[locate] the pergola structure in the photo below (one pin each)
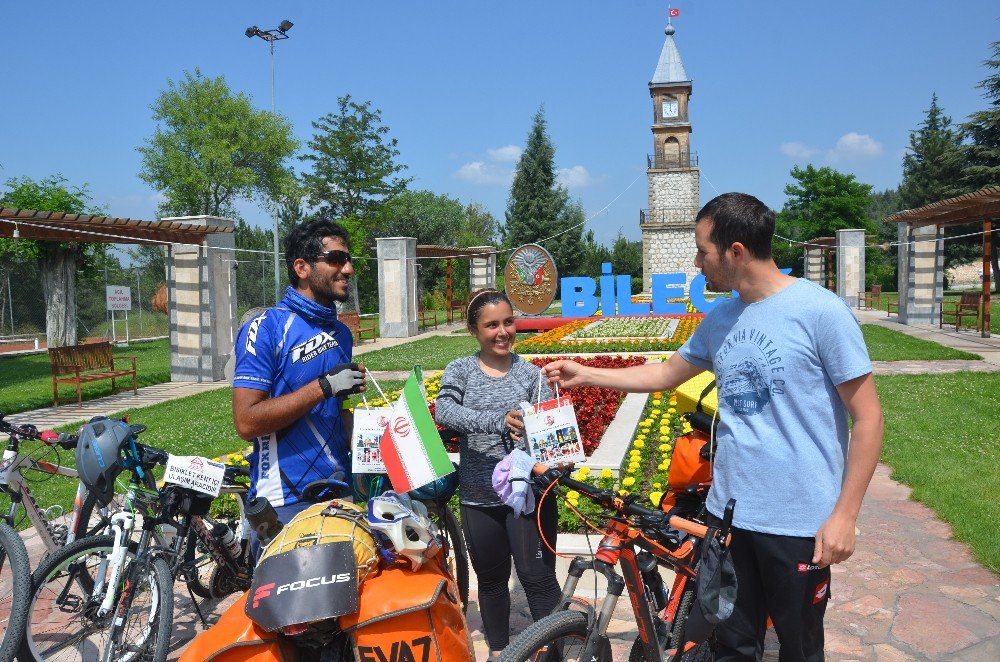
(449, 253)
(60, 226)
(926, 225)
(200, 302)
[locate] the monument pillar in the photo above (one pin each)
(483, 270)
(921, 274)
(850, 265)
(814, 269)
(201, 303)
(397, 286)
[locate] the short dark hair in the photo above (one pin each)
(740, 217)
(306, 241)
(480, 298)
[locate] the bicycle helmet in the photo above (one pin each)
(406, 526)
(441, 490)
(98, 455)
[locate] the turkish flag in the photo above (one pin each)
(674, 13)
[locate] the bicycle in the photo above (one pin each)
(679, 634)
(15, 568)
(111, 594)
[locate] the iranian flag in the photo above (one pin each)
(411, 446)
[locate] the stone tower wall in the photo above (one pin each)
(668, 233)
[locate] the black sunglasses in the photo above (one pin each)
(335, 258)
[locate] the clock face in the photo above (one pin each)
(670, 108)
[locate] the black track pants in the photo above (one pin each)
(495, 535)
(776, 579)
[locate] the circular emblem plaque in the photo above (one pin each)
(530, 279)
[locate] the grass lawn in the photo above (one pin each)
(430, 353)
(955, 295)
(888, 345)
(26, 380)
(941, 440)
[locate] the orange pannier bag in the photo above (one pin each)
(687, 467)
(409, 615)
(235, 638)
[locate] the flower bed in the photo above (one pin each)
(557, 342)
(644, 472)
(624, 327)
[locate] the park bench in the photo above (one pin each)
(871, 299)
(456, 309)
(966, 307)
(426, 317)
(358, 326)
(78, 364)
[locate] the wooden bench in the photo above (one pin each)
(359, 326)
(426, 317)
(871, 299)
(891, 304)
(456, 310)
(92, 362)
(966, 307)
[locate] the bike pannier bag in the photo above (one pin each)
(235, 638)
(407, 615)
(688, 466)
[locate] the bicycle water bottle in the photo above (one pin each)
(227, 538)
(262, 518)
(652, 579)
(8, 461)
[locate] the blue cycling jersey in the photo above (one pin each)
(279, 352)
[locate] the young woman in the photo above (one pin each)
(480, 398)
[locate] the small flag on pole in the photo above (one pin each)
(674, 13)
(411, 447)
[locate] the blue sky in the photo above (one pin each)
(775, 84)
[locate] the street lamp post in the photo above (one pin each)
(271, 36)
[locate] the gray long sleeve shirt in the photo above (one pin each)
(474, 404)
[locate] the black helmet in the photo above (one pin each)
(98, 455)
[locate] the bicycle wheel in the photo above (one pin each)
(459, 554)
(700, 652)
(15, 590)
(63, 620)
(557, 637)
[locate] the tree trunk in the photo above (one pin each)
(58, 271)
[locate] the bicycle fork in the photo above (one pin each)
(121, 527)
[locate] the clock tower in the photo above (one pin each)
(672, 171)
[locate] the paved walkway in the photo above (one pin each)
(910, 592)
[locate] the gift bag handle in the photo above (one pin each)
(541, 376)
(377, 388)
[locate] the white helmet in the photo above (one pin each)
(405, 524)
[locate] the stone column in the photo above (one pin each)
(397, 286)
(923, 270)
(201, 302)
(850, 265)
(483, 270)
(815, 266)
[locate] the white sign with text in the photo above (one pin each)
(119, 297)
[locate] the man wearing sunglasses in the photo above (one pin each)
(293, 371)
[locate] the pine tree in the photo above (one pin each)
(933, 167)
(983, 154)
(539, 208)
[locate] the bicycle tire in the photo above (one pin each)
(460, 554)
(201, 583)
(558, 637)
(701, 652)
(44, 627)
(15, 586)
(162, 610)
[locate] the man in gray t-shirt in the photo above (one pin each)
(791, 367)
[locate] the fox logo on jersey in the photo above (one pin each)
(252, 334)
(313, 347)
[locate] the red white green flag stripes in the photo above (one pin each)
(411, 446)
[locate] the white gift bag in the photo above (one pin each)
(369, 426)
(551, 431)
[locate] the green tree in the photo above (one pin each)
(354, 168)
(983, 151)
(594, 255)
(481, 228)
(820, 202)
(934, 163)
(539, 210)
(211, 148)
(58, 262)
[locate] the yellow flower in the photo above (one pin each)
(579, 475)
(639, 443)
(657, 486)
(671, 410)
(687, 428)
(573, 502)
(623, 492)
(631, 469)
(606, 473)
(664, 448)
(584, 471)
(656, 402)
(634, 452)
(572, 495)
(655, 412)
(655, 497)
(628, 482)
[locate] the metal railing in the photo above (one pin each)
(678, 217)
(664, 161)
